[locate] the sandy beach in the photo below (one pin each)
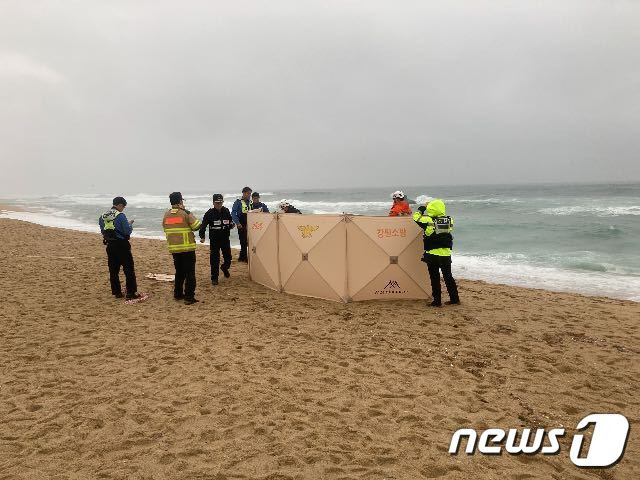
(252, 384)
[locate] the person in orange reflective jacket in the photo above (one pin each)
(179, 225)
(400, 207)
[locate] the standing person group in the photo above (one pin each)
(179, 225)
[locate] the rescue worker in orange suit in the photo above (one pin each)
(400, 207)
(220, 223)
(116, 231)
(438, 242)
(179, 225)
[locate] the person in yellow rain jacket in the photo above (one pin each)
(438, 242)
(179, 225)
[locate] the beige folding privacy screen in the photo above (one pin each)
(337, 257)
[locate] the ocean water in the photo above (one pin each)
(575, 238)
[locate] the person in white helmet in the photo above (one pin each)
(286, 207)
(400, 207)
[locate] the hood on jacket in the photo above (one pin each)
(436, 208)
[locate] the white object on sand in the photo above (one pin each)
(162, 277)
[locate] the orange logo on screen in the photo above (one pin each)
(256, 226)
(391, 232)
(307, 230)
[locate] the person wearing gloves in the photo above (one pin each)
(438, 242)
(286, 207)
(400, 207)
(220, 223)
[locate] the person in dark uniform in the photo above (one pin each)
(256, 204)
(220, 223)
(116, 231)
(239, 214)
(438, 243)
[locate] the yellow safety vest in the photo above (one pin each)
(178, 226)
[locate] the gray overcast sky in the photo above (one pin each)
(157, 95)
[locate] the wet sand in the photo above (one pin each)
(252, 384)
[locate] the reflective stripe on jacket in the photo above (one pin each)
(239, 211)
(436, 242)
(108, 222)
(178, 225)
(114, 225)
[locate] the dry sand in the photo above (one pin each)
(255, 384)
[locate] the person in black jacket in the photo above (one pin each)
(220, 223)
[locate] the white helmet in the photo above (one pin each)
(283, 204)
(398, 194)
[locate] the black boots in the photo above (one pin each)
(438, 303)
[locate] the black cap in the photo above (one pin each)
(119, 201)
(175, 198)
(217, 197)
(255, 194)
(246, 189)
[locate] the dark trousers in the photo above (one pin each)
(119, 255)
(185, 282)
(242, 233)
(434, 275)
(217, 245)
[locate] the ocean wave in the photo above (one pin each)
(325, 207)
(143, 200)
(51, 220)
(592, 266)
(605, 231)
(593, 210)
(492, 269)
(485, 201)
(422, 199)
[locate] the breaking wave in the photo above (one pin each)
(593, 210)
(590, 281)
